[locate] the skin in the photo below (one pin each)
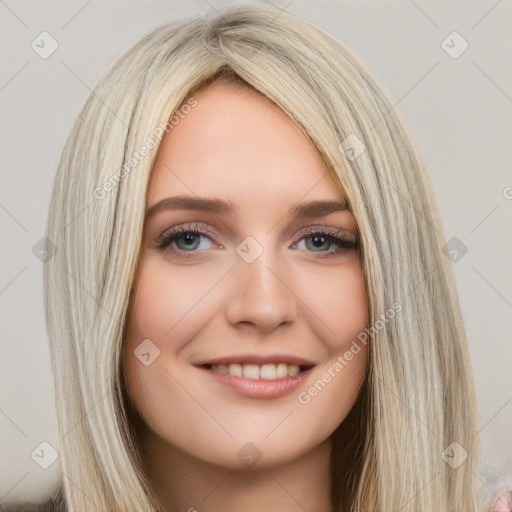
(237, 146)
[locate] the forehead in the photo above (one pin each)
(238, 145)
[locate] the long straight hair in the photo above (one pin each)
(418, 397)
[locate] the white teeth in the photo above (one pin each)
(268, 372)
(234, 369)
(254, 371)
(251, 371)
(282, 370)
(293, 369)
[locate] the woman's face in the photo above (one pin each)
(263, 291)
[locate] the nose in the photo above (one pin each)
(262, 295)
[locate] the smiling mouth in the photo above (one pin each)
(268, 371)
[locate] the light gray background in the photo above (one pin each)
(458, 111)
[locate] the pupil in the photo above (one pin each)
(188, 239)
(318, 241)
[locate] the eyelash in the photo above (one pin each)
(169, 236)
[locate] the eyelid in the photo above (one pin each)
(212, 233)
(343, 238)
(204, 229)
(332, 230)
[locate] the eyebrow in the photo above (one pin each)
(221, 207)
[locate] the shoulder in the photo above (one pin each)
(48, 506)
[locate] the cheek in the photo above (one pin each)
(336, 306)
(337, 309)
(343, 309)
(166, 311)
(154, 319)
(169, 305)
(154, 311)
(155, 305)
(352, 311)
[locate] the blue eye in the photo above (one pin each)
(319, 239)
(185, 237)
(190, 239)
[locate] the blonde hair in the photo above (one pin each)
(418, 398)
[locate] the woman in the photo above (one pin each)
(247, 371)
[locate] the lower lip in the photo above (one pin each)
(259, 388)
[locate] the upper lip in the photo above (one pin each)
(258, 359)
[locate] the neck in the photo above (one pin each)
(184, 483)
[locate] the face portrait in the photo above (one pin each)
(262, 235)
(243, 305)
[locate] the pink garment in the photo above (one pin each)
(502, 503)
